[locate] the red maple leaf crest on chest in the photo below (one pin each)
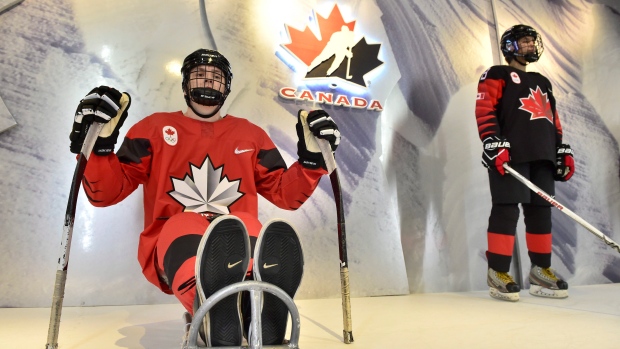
(169, 132)
(537, 104)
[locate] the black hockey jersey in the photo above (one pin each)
(519, 106)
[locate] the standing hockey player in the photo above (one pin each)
(201, 174)
(518, 123)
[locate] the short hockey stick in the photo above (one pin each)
(67, 232)
(562, 208)
(332, 169)
(349, 68)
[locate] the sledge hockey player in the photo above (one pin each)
(518, 123)
(201, 174)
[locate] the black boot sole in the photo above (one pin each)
(278, 261)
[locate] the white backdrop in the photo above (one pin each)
(416, 196)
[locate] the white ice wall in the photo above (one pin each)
(416, 196)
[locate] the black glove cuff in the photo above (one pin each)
(104, 146)
(103, 151)
(311, 160)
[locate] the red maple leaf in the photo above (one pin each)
(306, 46)
(537, 104)
(169, 132)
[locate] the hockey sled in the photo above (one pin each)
(256, 289)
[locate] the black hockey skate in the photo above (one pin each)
(278, 259)
(502, 286)
(544, 283)
(222, 259)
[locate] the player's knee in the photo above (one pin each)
(537, 219)
(503, 218)
(178, 253)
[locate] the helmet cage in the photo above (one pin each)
(202, 82)
(510, 43)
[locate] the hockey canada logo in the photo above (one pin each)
(206, 190)
(335, 54)
(537, 104)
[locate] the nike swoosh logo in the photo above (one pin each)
(267, 266)
(232, 265)
(237, 151)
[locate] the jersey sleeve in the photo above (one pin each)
(287, 188)
(111, 178)
(490, 90)
(556, 116)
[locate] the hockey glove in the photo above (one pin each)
(565, 164)
(496, 152)
(105, 105)
(317, 124)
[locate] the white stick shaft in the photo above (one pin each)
(562, 208)
(67, 233)
(328, 155)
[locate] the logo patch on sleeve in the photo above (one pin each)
(170, 135)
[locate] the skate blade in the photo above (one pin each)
(510, 297)
(540, 291)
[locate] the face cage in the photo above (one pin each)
(532, 57)
(207, 85)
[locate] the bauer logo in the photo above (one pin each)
(331, 52)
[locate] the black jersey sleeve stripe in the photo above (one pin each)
(133, 150)
(271, 159)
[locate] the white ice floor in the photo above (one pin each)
(589, 318)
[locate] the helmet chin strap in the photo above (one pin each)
(525, 61)
(204, 116)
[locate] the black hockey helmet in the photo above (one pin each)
(203, 93)
(510, 47)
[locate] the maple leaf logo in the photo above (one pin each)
(337, 52)
(169, 132)
(206, 190)
(537, 104)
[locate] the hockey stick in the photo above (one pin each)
(348, 68)
(67, 232)
(332, 169)
(562, 208)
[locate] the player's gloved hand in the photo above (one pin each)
(105, 105)
(496, 152)
(319, 124)
(564, 163)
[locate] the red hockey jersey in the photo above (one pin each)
(520, 106)
(191, 165)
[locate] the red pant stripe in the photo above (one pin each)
(500, 243)
(184, 284)
(538, 243)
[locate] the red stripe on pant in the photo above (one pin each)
(190, 223)
(501, 244)
(538, 243)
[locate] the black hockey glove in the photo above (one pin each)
(317, 124)
(565, 164)
(102, 104)
(496, 152)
